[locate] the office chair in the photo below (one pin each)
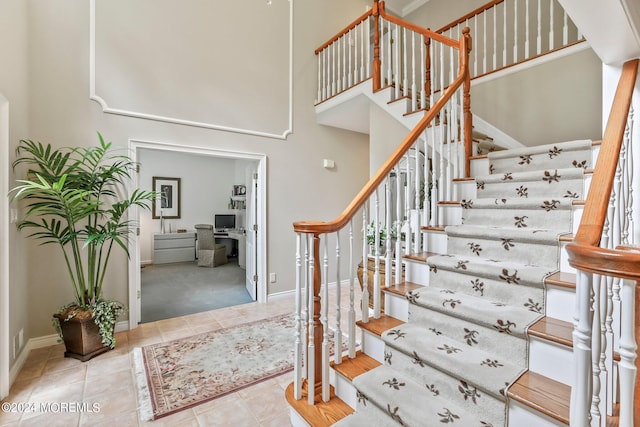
(210, 254)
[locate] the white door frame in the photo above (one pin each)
(5, 335)
(134, 246)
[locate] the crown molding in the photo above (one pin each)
(180, 121)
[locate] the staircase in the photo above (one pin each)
(478, 324)
(465, 340)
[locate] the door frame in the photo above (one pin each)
(5, 334)
(134, 246)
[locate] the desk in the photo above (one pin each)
(233, 239)
(174, 247)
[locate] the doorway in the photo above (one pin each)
(196, 207)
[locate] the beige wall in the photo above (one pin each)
(14, 87)
(552, 102)
(298, 188)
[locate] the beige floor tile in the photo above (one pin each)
(264, 404)
(124, 419)
(118, 403)
(52, 419)
(280, 420)
(108, 382)
(186, 418)
(53, 378)
(234, 413)
(106, 364)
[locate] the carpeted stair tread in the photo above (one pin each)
(531, 176)
(525, 213)
(550, 183)
(407, 403)
(458, 359)
(535, 236)
(566, 154)
(504, 318)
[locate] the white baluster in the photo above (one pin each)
(366, 40)
(626, 366)
(356, 64)
(365, 269)
(602, 351)
(311, 361)
(552, 25)
(434, 180)
(611, 342)
(345, 69)
(323, 80)
(388, 225)
(297, 374)
(352, 308)
(337, 336)
(495, 39)
(484, 49)
(376, 269)
(397, 71)
(581, 391)
(595, 353)
(414, 93)
(527, 25)
(319, 95)
(333, 69)
(339, 65)
(389, 54)
(504, 34)
(539, 37)
(399, 217)
(475, 51)
(405, 70)
(515, 31)
(304, 302)
(565, 29)
(407, 205)
(627, 180)
(325, 321)
(425, 187)
(417, 241)
(350, 56)
(629, 229)
(383, 50)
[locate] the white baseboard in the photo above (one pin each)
(45, 341)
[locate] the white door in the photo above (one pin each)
(252, 233)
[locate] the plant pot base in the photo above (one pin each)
(81, 337)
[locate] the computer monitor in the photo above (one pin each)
(225, 221)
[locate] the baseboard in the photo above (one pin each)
(45, 341)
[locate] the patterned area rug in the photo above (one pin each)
(466, 339)
(182, 373)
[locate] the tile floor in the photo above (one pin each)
(108, 380)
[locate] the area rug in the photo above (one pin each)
(179, 374)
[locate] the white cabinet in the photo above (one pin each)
(174, 247)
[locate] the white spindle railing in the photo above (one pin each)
(505, 31)
(605, 317)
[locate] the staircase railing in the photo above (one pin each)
(397, 191)
(508, 32)
(607, 305)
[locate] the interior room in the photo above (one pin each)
(204, 191)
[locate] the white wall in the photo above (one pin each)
(206, 183)
(299, 188)
(385, 135)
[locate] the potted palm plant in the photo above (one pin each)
(74, 199)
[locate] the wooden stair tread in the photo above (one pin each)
(320, 414)
(403, 288)
(480, 156)
(554, 330)
(464, 179)
(378, 326)
(431, 228)
(542, 394)
(563, 279)
(351, 368)
(449, 202)
(420, 256)
(567, 237)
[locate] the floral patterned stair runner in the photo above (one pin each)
(465, 341)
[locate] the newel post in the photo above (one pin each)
(376, 45)
(468, 117)
(318, 331)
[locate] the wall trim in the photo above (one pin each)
(141, 115)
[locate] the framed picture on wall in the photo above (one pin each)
(168, 205)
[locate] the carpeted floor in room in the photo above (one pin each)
(179, 289)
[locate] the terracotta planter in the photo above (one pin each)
(371, 268)
(81, 337)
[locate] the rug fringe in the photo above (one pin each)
(144, 398)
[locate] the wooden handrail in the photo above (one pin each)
(349, 27)
(469, 15)
(319, 227)
(425, 32)
(595, 211)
